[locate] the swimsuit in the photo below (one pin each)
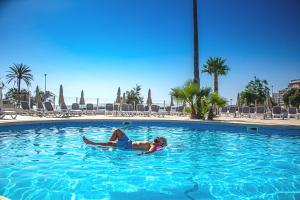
(124, 143)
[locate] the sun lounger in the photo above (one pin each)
(154, 110)
(25, 109)
(162, 111)
(180, 110)
(64, 109)
(116, 109)
(124, 109)
(252, 111)
(49, 110)
(109, 108)
(292, 112)
(90, 109)
(131, 110)
(232, 111)
(147, 111)
(277, 112)
(245, 111)
(12, 113)
(261, 111)
(140, 109)
(224, 111)
(75, 110)
(168, 110)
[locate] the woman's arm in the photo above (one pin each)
(151, 150)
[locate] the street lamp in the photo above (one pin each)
(1, 101)
(272, 89)
(45, 82)
(231, 102)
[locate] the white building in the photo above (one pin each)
(294, 84)
(278, 96)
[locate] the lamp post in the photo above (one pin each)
(1, 101)
(231, 102)
(45, 82)
(272, 88)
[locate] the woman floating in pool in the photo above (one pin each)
(124, 143)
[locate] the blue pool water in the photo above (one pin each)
(202, 161)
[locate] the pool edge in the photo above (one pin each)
(234, 123)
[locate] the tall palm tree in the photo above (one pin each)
(216, 67)
(196, 54)
(19, 72)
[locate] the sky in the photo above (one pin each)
(99, 45)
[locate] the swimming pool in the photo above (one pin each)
(202, 161)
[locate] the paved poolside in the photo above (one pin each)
(273, 122)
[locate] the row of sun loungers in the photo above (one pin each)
(260, 111)
(46, 109)
(141, 110)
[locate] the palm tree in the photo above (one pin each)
(196, 54)
(19, 72)
(187, 94)
(217, 67)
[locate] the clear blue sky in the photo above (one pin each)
(98, 45)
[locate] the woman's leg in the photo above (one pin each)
(117, 134)
(110, 143)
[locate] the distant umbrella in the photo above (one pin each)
(149, 99)
(269, 101)
(118, 100)
(61, 100)
(81, 101)
(38, 98)
(172, 103)
(238, 100)
(124, 98)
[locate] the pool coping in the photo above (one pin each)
(192, 121)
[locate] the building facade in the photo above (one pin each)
(294, 84)
(278, 96)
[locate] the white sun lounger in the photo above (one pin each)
(245, 111)
(90, 109)
(292, 112)
(261, 111)
(109, 108)
(25, 109)
(140, 109)
(49, 110)
(12, 113)
(224, 111)
(277, 112)
(124, 109)
(232, 111)
(75, 110)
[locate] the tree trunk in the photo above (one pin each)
(196, 55)
(196, 50)
(216, 83)
(193, 112)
